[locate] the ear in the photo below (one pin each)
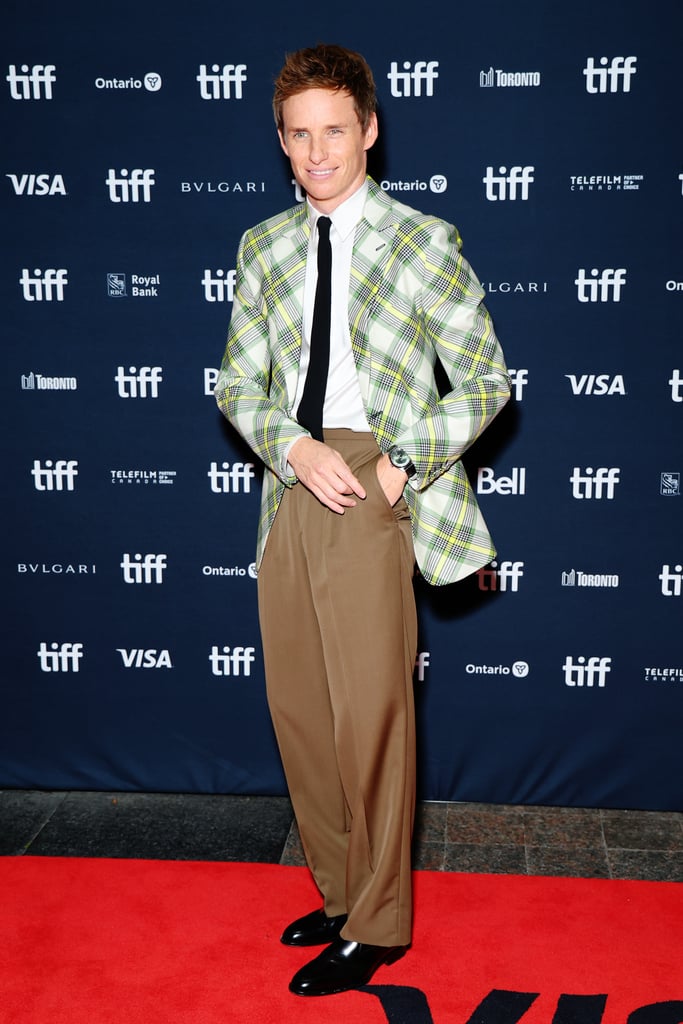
(282, 142)
(371, 132)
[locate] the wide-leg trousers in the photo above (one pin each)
(339, 631)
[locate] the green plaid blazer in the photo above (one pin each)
(413, 299)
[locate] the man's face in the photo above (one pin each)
(326, 145)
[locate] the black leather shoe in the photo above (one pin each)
(315, 929)
(342, 966)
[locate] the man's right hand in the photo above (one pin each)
(323, 471)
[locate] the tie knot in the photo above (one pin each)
(324, 224)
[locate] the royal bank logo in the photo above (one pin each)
(144, 477)
(670, 485)
(671, 579)
(499, 79)
(152, 82)
(508, 184)
(594, 484)
(143, 569)
(489, 483)
(130, 186)
(605, 182)
(500, 578)
(33, 184)
(587, 672)
(57, 475)
(221, 82)
(219, 285)
(596, 384)
(438, 183)
(148, 657)
(600, 285)
(232, 661)
(31, 82)
(519, 380)
(676, 384)
(609, 75)
(138, 382)
(142, 286)
(230, 478)
(60, 657)
(578, 578)
(41, 382)
(413, 79)
(44, 285)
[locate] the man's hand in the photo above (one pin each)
(323, 471)
(392, 480)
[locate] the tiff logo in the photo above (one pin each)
(220, 288)
(599, 483)
(409, 83)
(672, 580)
(586, 673)
(60, 657)
(45, 285)
(58, 476)
(134, 384)
(232, 662)
(676, 382)
(497, 577)
(143, 569)
(421, 665)
(31, 83)
(620, 69)
(504, 185)
(131, 187)
(602, 286)
(519, 380)
(217, 84)
(231, 479)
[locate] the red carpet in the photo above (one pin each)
(162, 942)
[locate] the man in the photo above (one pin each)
(336, 393)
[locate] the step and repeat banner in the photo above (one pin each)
(138, 146)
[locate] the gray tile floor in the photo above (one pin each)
(467, 837)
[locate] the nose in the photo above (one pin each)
(318, 150)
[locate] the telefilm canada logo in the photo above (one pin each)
(143, 477)
(605, 182)
(672, 674)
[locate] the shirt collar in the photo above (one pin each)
(346, 216)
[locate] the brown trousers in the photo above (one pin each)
(339, 631)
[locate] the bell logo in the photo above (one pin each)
(599, 483)
(612, 73)
(672, 580)
(234, 661)
(231, 479)
(44, 285)
(586, 672)
(497, 577)
(409, 83)
(513, 484)
(601, 286)
(217, 84)
(505, 184)
(55, 476)
(210, 379)
(143, 569)
(31, 83)
(59, 657)
(133, 187)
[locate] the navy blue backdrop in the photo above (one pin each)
(139, 144)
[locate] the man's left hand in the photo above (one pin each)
(391, 479)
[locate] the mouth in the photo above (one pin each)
(319, 175)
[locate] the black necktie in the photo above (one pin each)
(310, 411)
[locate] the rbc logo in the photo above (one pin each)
(602, 286)
(232, 662)
(131, 187)
(672, 580)
(231, 479)
(217, 84)
(504, 185)
(620, 69)
(402, 82)
(586, 672)
(45, 285)
(497, 576)
(599, 483)
(60, 657)
(143, 569)
(220, 288)
(58, 476)
(31, 83)
(134, 384)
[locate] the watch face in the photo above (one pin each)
(399, 458)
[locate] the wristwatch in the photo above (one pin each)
(399, 457)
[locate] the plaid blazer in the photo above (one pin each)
(413, 298)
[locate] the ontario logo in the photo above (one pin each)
(438, 183)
